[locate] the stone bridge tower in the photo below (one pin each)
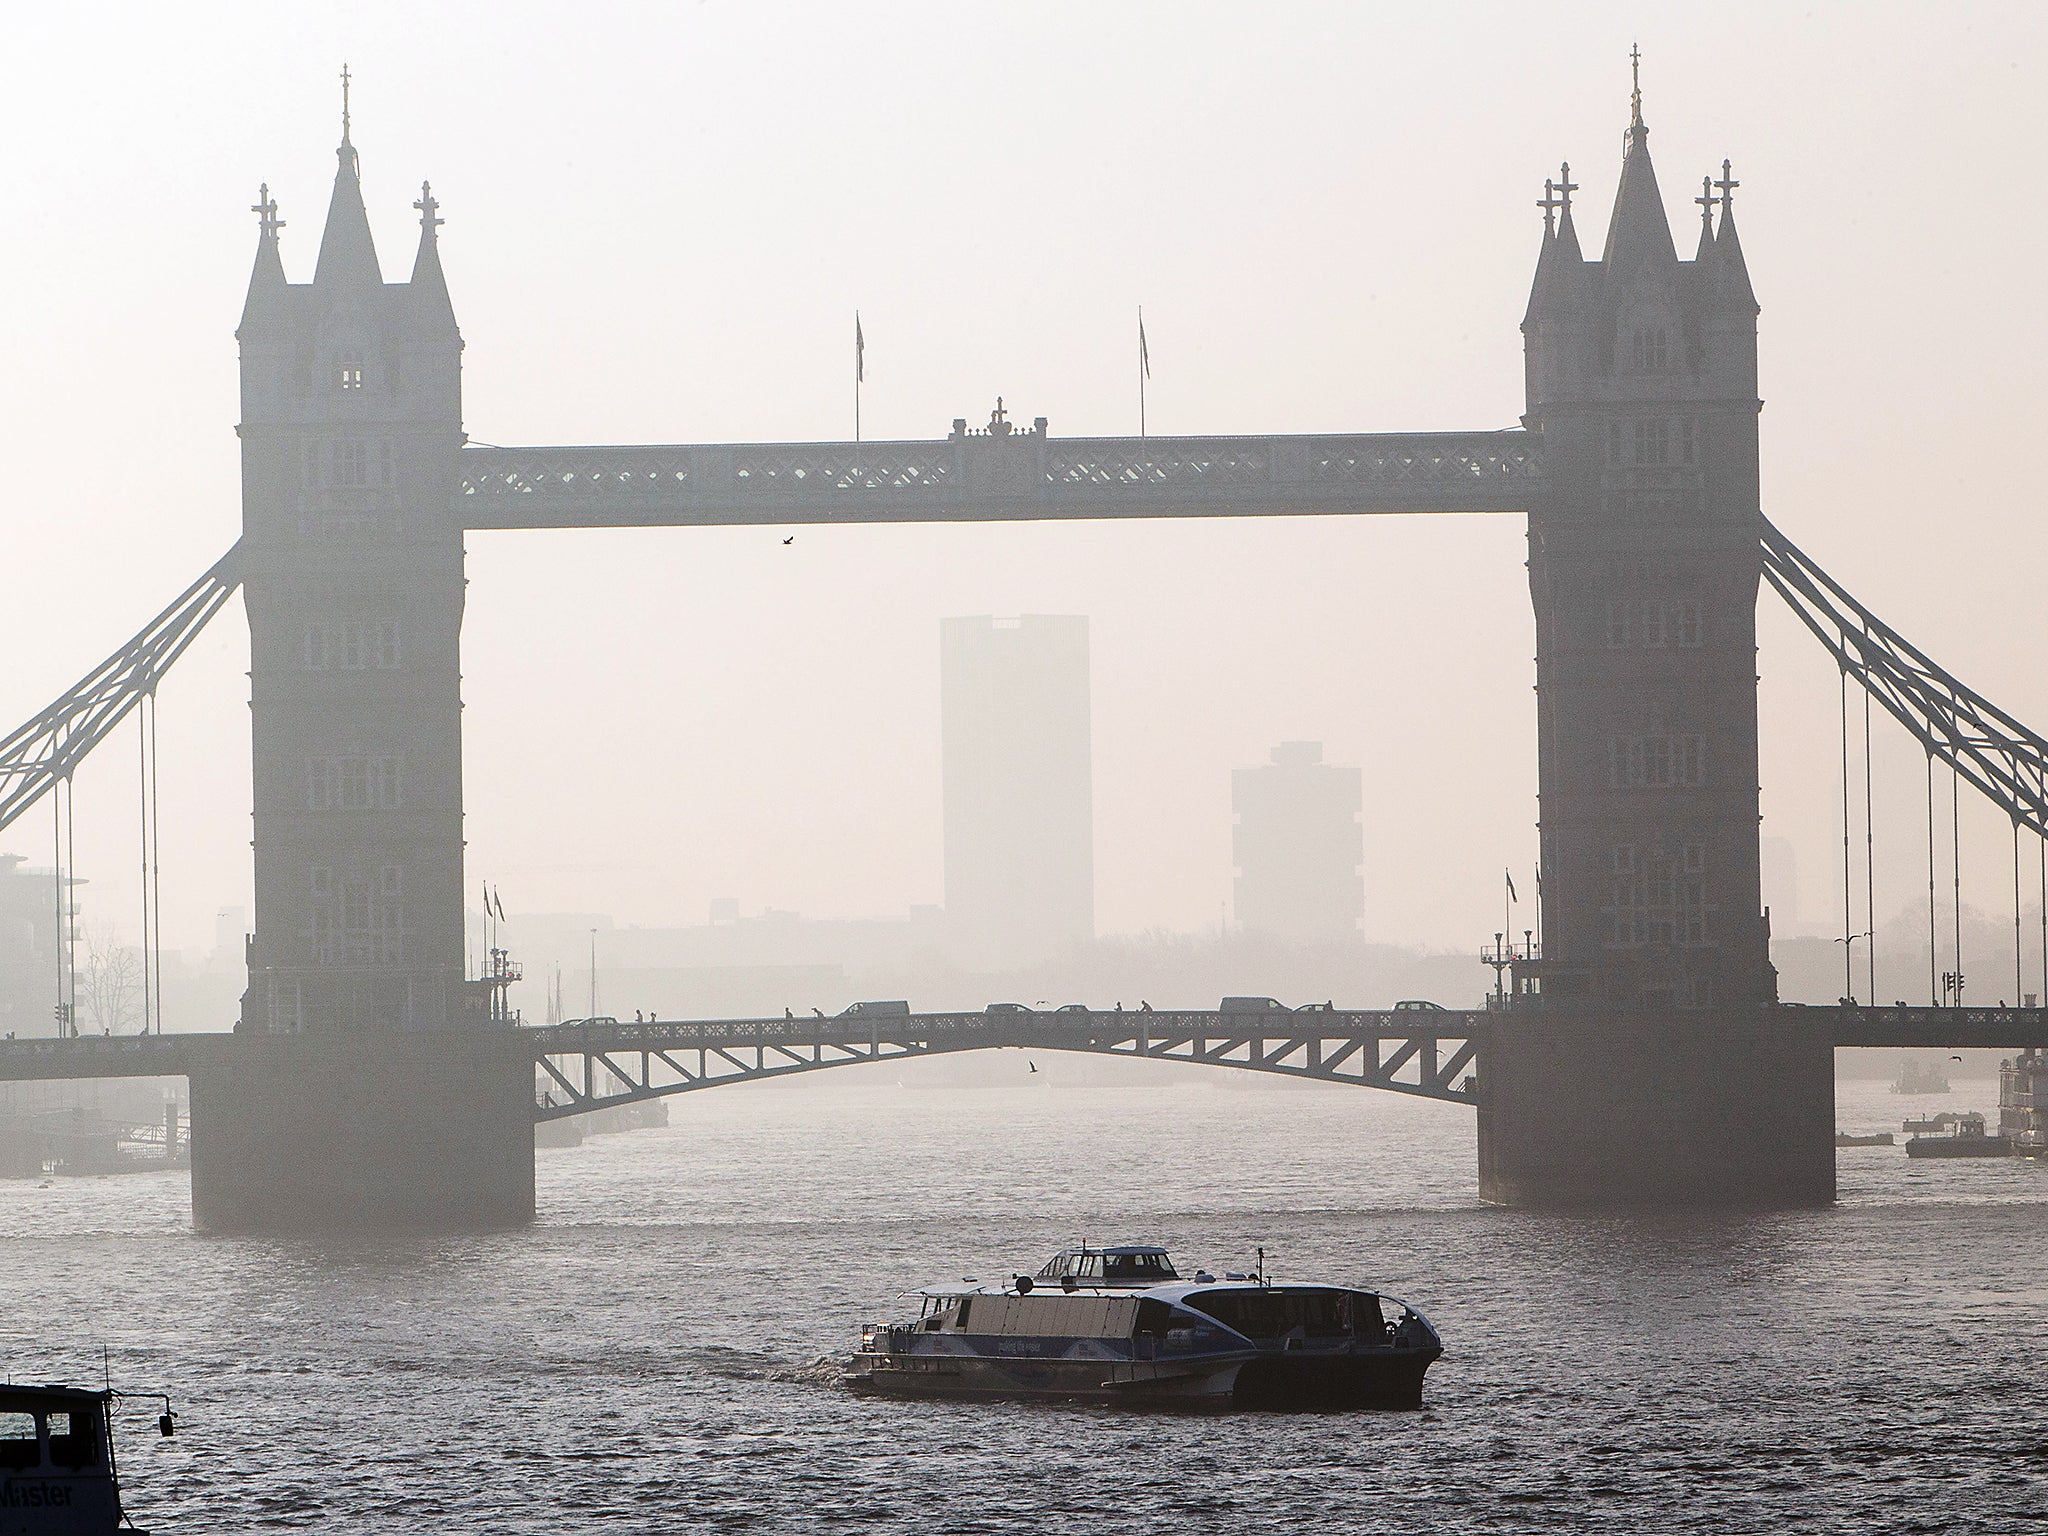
(372, 1088)
(1656, 1071)
(351, 423)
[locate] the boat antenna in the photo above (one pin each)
(1262, 1266)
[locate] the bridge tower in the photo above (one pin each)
(1652, 1070)
(371, 1050)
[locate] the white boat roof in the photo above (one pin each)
(1169, 1291)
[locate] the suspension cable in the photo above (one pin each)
(142, 822)
(156, 885)
(70, 927)
(1933, 958)
(2016, 964)
(1955, 807)
(1869, 858)
(1848, 915)
(57, 931)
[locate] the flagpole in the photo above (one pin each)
(1144, 368)
(859, 371)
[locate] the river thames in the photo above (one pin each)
(660, 1351)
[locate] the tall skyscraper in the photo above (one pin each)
(1298, 846)
(1019, 798)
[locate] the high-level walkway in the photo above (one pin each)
(996, 474)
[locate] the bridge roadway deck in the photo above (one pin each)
(1155, 1034)
(982, 476)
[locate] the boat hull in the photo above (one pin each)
(1262, 1379)
(1960, 1146)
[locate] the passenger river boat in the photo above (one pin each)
(1119, 1325)
(57, 1473)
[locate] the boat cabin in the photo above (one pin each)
(1129, 1264)
(56, 1461)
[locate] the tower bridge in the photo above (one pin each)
(1645, 1057)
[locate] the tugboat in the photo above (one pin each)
(1966, 1138)
(1119, 1325)
(57, 1474)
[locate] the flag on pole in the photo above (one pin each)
(499, 902)
(1144, 352)
(860, 351)
(1511, 886)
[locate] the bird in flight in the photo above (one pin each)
(1032, 1065)
(790, 540)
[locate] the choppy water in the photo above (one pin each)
(643, 1359)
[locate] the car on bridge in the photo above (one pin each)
(1252, 1005)
(1418, 1005)
(893, 1009)
(1009, 1008)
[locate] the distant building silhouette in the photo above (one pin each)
(1298, 846)
(29, 940)
(1019, 799)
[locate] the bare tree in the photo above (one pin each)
(110, 984)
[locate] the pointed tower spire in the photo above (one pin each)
(1567, 232)
(266, 279)
(1704, 255)
(348, 256)
(1734, 267)
(429, 287)
(1638, 230)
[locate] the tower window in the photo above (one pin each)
(1620, 624)
(351, 375)
(1650, 349)
(1653, 626)
(351, 463)
(1653, 441)
(1656, 762)
(1688, 632)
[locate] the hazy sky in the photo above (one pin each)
(660, 221)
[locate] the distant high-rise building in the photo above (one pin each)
(1298, 846)
(1019, 799)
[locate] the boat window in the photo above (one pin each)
(1090, 1267)
(966, 1302)
(1272, 1314)
(1050, 1270)
(1155, 1319)
(1151, 1267)
(72, 1440)
(18, 1440)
